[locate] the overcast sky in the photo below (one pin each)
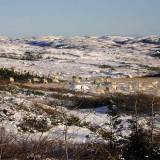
(79, 17)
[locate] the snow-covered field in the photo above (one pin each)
(81, 68)
(113, 56)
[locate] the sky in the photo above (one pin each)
(21, 18)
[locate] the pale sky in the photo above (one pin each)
(20, 18)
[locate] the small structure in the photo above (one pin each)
(108, 80)
(130, 88)
(11, 79)
(29, 81)
(86, 79)
(97, 81)
(129, 76)
(13, 69)
(36, 80)
(55, 79)
(113, 87)
(76, 79)
(84, 88)
(77, 85)
(59, 73)
(80, 88)
(155, 84)
(100, 91)
(45, 81)
(107, 89)
(141, 87)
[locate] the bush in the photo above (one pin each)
(140, 148)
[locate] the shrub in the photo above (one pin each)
(140, 148)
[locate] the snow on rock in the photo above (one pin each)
(102, 109)
(8, 128)
(95, 119)
(150, 39)
(80, 88)
(123, 126)
(74, 134)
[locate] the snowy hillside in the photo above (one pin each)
(114, 56)
(77, 94)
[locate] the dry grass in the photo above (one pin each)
(53, 87)
(81, 101)
(144, 102)
(27, 149)
(125, 103)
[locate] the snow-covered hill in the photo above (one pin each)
(114, 56)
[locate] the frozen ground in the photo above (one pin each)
(31, 112)
(113, 56)
(33, 109)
